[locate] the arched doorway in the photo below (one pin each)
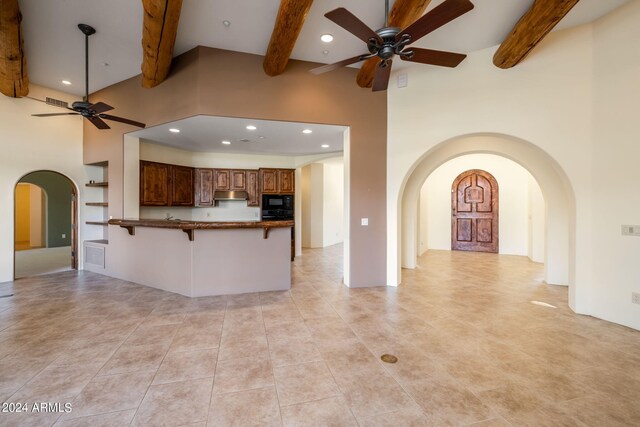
(554, 184)
(45, 224)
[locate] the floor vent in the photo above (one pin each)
(94, 255)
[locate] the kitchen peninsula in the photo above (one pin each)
(209, 258)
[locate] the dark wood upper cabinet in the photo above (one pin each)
(269, 181)
(162, 184)
(204, 187)
(238, 180)
(221, 179)
(181, 186)
(154, 184)
(253, 188)
(277, 181)
(165, 185)
(286, 181)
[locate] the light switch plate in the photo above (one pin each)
(403, 80)
(631, 230)
(364, 221)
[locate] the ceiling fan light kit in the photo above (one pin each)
(389, 42)
(95, 113)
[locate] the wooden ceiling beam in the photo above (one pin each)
(291, 17)
(402, 14)
(159, 29)
(530, 30)
(14, 81)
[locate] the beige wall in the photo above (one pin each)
(224, 83)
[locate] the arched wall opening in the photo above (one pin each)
(59, 198)
(520, 210)
(556, 189)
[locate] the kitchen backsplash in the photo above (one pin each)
(225, 211)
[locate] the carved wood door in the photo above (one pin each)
(474, 212)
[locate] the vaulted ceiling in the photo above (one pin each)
(54, 46)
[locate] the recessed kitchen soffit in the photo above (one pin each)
(207, 133)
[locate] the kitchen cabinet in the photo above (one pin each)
(286, 181)
(162, 184)
(204, 187)
(154, 184)
(252, 188)
(238, 180)
(277, 181)
(221, 179)
(181, 186)
(268, 181)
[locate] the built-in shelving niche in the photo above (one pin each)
(96, 201)
(97, 198)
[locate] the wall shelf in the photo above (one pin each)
(105, 223)
(101, 204)
(97, 184)
(100, 241)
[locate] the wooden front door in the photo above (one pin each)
(474, 212)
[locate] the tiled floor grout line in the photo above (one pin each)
(343, 398)
(157, 369)
(275, 384)
(215, 372)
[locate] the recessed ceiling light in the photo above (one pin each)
(325, 52)
(226, 23)
(327, 38)
(226, 142)
(174, 130)
(307, 131)
(325, 145)
(251, 127)
(66, 82)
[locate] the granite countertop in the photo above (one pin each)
(198, 225)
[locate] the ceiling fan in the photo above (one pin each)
(388, 42)
(95, 113)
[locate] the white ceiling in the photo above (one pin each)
(206, 133)
(54, 45)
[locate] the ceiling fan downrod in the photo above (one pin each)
(87, 30)
(386, 13)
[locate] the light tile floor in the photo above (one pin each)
(472, 350)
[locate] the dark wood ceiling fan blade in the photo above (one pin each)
(122, 120)
(435, 57)
(97, 122)
(439, 16)
(55, 114)
(351, 23)
(381, 79)
(336, 65)
(101, 107)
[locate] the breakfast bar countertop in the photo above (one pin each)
(198, 225)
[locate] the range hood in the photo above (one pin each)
(230, 195)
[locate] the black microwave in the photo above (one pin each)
(277, 206)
